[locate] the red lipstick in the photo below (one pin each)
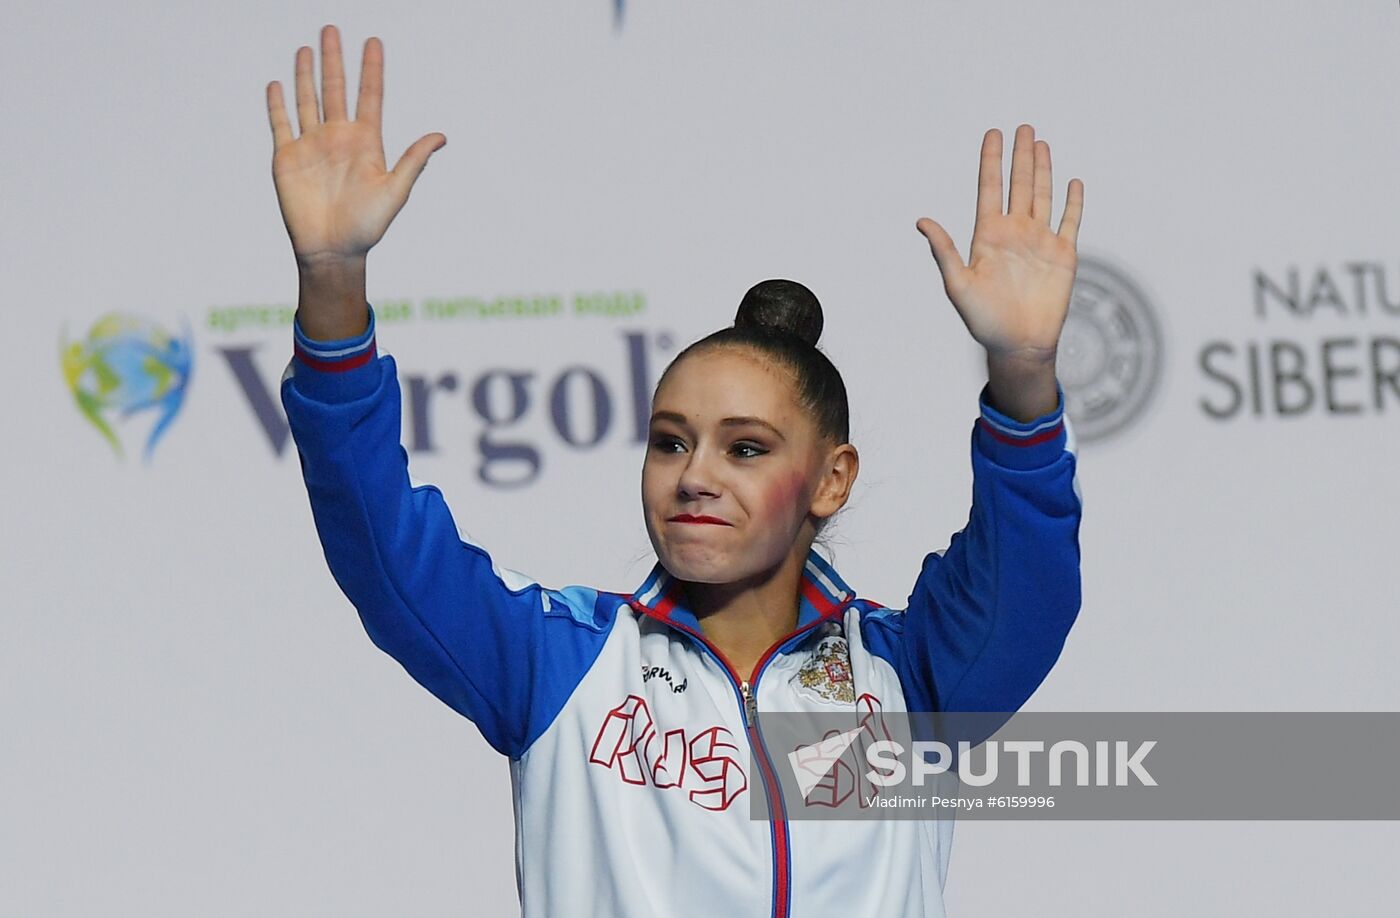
(687, 518)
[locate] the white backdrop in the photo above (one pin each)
(193, 720)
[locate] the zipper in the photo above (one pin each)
(748, 697)
(750, 704)
(777, 809)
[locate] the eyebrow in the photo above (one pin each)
(740, 421)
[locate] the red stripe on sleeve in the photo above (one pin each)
(1041, 437)
(335, 366)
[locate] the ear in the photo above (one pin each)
(838, 474)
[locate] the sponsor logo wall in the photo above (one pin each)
(1328, 343)
(196, 710)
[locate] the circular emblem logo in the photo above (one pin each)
(1110, 354)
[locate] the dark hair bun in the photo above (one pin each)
(782, 304)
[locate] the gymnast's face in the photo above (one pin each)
(731, 449)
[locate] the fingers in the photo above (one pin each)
(308, 112)
(332, 75)
(1040, 199)
(411, 163)
(1022, 169)
(989, 176)
(1074, 209)
(367, 106)
(277, 116)
(945, 252)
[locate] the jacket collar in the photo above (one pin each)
(823, 593)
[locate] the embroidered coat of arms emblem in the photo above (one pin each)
(826, 675)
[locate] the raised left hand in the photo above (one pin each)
(1013, 293)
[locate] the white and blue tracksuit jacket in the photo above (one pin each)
(628, 734)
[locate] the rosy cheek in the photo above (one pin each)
(784, 495)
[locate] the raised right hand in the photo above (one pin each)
(337, 197)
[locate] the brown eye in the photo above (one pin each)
(748, 450)
(663, 444)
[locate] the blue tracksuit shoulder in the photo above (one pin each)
(989, 615)
(498, 647)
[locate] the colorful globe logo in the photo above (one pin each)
(128, 366)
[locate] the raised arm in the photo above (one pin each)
(493, 644)
(336, 195)
(989, 615)
(1013, 293)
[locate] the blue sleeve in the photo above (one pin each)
(491, 643)
(989, 615)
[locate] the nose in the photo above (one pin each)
(696, 480)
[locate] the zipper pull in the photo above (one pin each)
(750, 704)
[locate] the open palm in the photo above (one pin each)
(336, 194)
(1013, 293)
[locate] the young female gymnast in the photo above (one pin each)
(629, 719)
